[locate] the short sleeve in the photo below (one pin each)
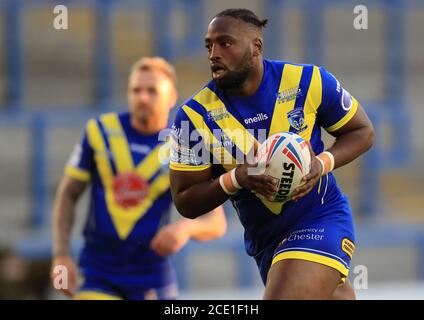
(189, 149)
(338, 105)
(81, 162)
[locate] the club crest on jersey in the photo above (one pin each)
(297, 120)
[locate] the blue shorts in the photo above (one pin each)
(325, 237)
(101, 283)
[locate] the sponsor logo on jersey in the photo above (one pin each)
(297, 120)
(182, 154)
(307, 234)
(129, 189)
(259, 117)
(218, 114)
(289, 94)
(338, 87)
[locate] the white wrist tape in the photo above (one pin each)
(330, 155)
(326, 159)
(322, 166)
(222, 184)
(234, 179)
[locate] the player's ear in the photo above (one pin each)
(257, 47)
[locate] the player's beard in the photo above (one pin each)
(141, 115)
(236, 78)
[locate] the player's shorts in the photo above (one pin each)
(326, 237)
(100, 285)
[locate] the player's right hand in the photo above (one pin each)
(171, 238)
(259, 183)
(63, 275)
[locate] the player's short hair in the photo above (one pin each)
(245, 15)
(157, 64)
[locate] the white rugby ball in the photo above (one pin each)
(289, 160)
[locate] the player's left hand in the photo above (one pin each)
(170, 239)
(310, 179)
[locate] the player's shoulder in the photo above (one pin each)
(206, 95)
(279, 64)
(121, 116)
(326, 76)
(279, 68)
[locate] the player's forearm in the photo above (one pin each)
(63, 214)
(351, 145)
(199, 198)
(63, 219)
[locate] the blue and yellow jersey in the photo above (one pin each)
(214, 129)
(130, 196)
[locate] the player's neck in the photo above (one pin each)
(252, 83)
(146, 127)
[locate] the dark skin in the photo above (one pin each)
(230, 42)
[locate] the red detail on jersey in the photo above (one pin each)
(129, 189)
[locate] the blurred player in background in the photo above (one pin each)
(128, 237)
(303, 248)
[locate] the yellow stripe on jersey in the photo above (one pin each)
(118, 142)
(232, 128)
(124, 219)
(150, 164)
(222, 154)
(312, 102)
(77, 173)
(348, 116)
(186, 167)
(100, 153)
(290, 79)
(308, 256)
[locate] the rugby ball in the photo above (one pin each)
(288, 159)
